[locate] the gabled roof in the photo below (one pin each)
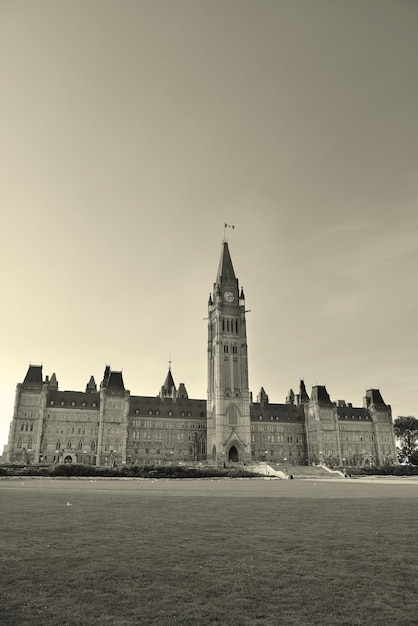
(226, 274)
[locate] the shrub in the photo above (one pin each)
(69, 469)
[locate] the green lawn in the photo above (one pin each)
(230, 552)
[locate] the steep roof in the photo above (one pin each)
(91, 385)
(226, 274)
(115, 383)
(352, 413)
(303, 395)
(167, 407)
(73, 399)
(373, 396)
(34, 376)
(277, 413)
(168, 385)
(320, 394)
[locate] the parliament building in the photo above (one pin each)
(108, 426)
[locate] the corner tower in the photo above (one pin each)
(228, 407)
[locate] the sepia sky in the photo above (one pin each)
(131, 130)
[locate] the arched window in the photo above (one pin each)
(80, 445)
(22, 426)
(19, 444)
(70, 444)
(31, 427)
(232, 414)
(93, 446)
(26, 427)
(201, 445)
(58, 445)
(30, 444)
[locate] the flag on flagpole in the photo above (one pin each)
(229, 225)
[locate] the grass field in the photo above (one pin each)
(230, 552)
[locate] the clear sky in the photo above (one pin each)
(131, 130)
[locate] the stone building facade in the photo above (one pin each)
(109, 426)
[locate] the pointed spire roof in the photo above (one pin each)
(168, 386)
(226, 272)
(91, 385)
(303, 394)
(53, 383)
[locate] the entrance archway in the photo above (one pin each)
(233, 454)
(68, 459)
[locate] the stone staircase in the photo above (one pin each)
(312, 472)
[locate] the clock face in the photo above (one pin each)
(228, 296)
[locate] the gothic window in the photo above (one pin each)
(19, 443)
(93, 446)
(80, 445)
(226, 349)
(58, 445)
(232, 415)
(31, 427)
(236, 326)
(201, 445)
(69, 444)
(227, 326)
(30, 444)
(22, 427)
(26, 427)
(223, 325)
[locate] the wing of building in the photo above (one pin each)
(109, 426)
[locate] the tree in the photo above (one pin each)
(406, 431)
(414, 457)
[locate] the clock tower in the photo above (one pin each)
(228, 406)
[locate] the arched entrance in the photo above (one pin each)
(68, 459)
(233, 454)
